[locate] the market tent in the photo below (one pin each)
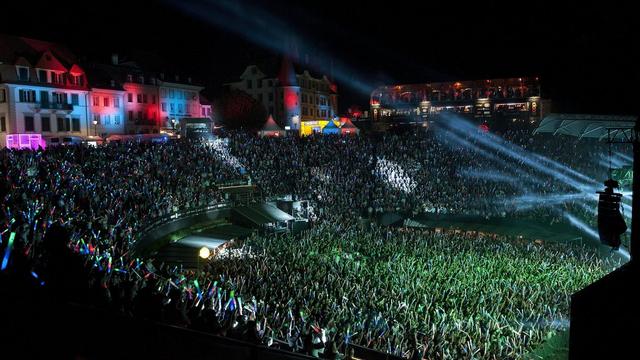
(348, 128)
(331, 128)
(270, 128)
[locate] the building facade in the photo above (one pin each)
(43, 94)
(495, 103)
(47, 98)
(297, 99)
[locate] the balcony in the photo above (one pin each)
(55, 106)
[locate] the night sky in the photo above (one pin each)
(585, 54)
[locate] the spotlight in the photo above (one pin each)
(204, 252)
(611, 224)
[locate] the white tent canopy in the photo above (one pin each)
(590, 126)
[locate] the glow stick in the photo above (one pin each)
(7, 251)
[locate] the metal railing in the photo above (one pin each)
(157, 221)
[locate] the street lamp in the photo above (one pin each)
(173, 123)
(95, 127)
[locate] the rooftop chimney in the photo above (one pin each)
(114, 59)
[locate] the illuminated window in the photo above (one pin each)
(96, 118)
(116, 102)
(46, 123)
(129, 97)
(107, 120)
(139, 115)
(153, 99)
(129, 78)
(116, 119)
(96, 101)
(76, 124)
(130, 115)
(139, 98)
(105, 101)
(172, 107)
(144, 98)
(75, 99)
(3, 124)
(164, 106)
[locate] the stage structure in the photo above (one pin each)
(604, 314)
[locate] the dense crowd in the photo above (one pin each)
(71, 216)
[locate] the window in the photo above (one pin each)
(42, 75)
(270, 96)
(180, 108)
(105, 101)
(60, 98)
(56, 78)
(76, 124)
(130, 115)
(139, 115)
(249, 84)
(259, 83)
(130, 97)
(75, 99)
(144, 98)
(172, 108)
(116, 102)
(203, 112)
(129, 78)
(3, 95)
(96, 118)
(67, 124)
(28, 123)
(153, 99)
(27, 95)
(260, 97)
(77, 80)
(23, 73)
(3, 124)
(96, 101)
(107, 120)
(270, 82)
(60, 123)
(44, 97)
(139, 98)
(45, 123)
(116, 119)
(164, 106)
(153, 116)
(304, 111)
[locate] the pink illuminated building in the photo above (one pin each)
(48, 98)
(43, 94)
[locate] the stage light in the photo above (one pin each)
(611, 224)
(204, 252)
